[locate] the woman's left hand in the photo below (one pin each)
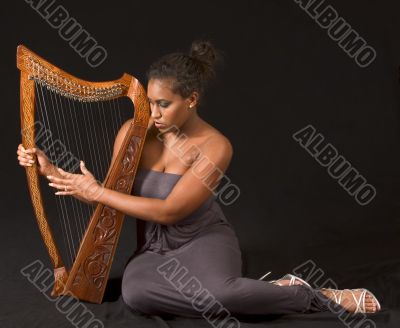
(82, 186)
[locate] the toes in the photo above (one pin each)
(370, 300)
(369, 304)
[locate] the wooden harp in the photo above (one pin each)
(87, 276)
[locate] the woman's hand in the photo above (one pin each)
(82, 186)
(26, 158)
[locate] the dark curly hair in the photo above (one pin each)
(189, 72)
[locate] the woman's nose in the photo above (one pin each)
(155, 112)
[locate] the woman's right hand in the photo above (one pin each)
(26, 158)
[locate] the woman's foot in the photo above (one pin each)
(353, 300)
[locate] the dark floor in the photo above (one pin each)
(23, 305)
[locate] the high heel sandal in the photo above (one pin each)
(290, 277)
(360, 302)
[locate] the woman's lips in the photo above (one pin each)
(158, 125)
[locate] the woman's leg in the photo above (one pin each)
(208, 274)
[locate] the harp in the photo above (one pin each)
(43, 85)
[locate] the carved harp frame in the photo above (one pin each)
(89, 273)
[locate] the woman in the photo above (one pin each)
(189, 252)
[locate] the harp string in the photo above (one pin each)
(93, 163)
(99, 124)
(101, 140)
(117, 109)
(95, 142)
(111, 129)
(84, 210)
(60, 202)
(102, 165)
(53, 156)
(68, 166)
(72, 220)
(79, 214)
(104, 138)
(113, 117)
(106, 129)
(101, 121)
(116, 117)
(58, 110)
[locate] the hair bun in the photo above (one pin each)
(189, 71)
(205, 52)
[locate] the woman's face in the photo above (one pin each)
(167, 108)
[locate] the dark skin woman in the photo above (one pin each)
(175, 88)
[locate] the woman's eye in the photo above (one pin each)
(164, 105)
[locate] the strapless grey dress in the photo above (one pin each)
(194, 268)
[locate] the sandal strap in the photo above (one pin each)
(360, 302)
(292, 279)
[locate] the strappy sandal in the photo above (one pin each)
(292, 279)
(337, 294)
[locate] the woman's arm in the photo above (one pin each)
(187, 195)
(27, 157)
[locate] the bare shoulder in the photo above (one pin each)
(216, 140)
(217, 148)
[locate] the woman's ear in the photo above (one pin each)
(193, 99)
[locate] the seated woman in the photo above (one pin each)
(188, 258)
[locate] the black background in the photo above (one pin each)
(281, 73)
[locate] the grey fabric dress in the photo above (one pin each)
(194, 268)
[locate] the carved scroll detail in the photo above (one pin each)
(104, 234)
